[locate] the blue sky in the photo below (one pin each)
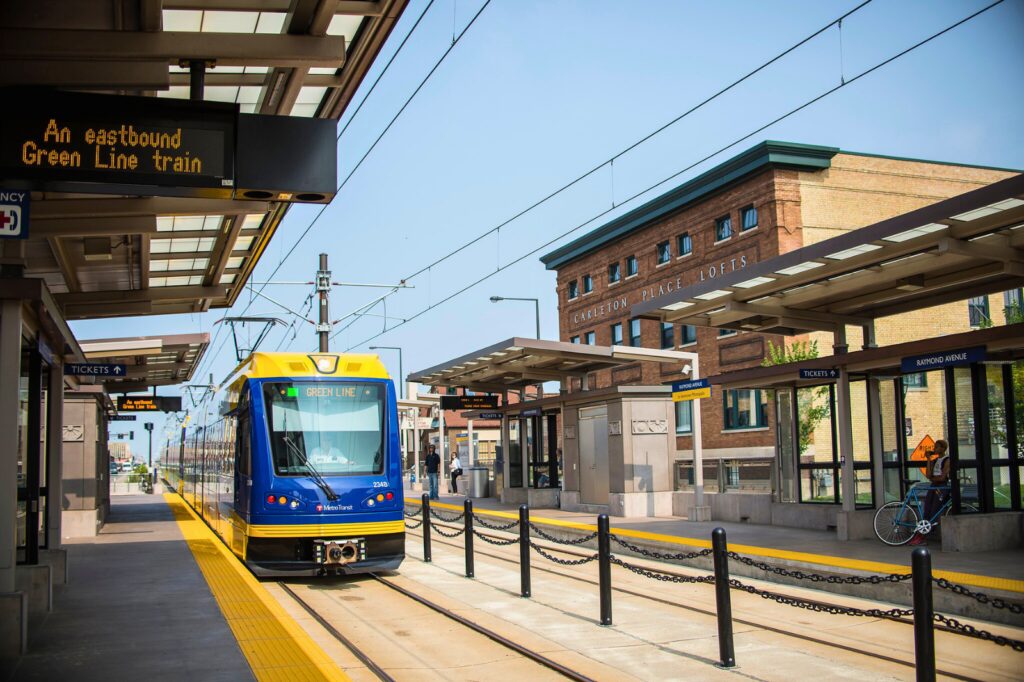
(537, 93)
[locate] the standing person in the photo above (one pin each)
(433, 469)
(456, 471)
(938, 477)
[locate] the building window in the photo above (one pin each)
(919, 380)
(727, 332)
(574, 339)
(667, 335)
(1013, 306)
(634, 332)
(574, 289)
(632, 266)
(684, 417)
(687, 334)
(723, 228)
(745, 409)
(664, 253)
(614, 273)
(589, 339)
(749, 215)
(977, 311)
(588, 284)
(684, 244)
(617, 334)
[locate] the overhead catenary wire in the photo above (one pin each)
(844, 83)
(316, 218)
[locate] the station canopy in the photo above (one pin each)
(966, 246)
(119, 254)
(519, 362)
(149, 360)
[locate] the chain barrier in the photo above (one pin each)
(445, 533)
(477, 519)
(551, 538)
(819, 607)
(971, 631)
(564, 562)
(658, 555)
(994, 602)
(658, 575)
(816, 578)
(417, 512)
(495, 541)
(446, 519)
(412, 526)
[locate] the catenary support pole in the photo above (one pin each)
(426, 527)
(604, 566)
(524, 551)
(723, 599)
(467, 507)
(924, 615)
(323, 287)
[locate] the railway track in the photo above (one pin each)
(377, 655)
(664, 568)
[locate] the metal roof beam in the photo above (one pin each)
(325, 80)
(99, 74)
(792, 313)
(346, 7)
(154, 295)
(1000, 254)
(226, 49)
(92, 227)
(148, 206)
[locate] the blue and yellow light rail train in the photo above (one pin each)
(295, 463)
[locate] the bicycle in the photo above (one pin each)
(897, 522)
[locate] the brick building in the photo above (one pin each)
(768, 200)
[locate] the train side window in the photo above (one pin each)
(242, 438)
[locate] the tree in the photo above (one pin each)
(810, 408)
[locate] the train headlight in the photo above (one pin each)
(294, 504)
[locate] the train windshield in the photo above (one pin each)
(333, 428)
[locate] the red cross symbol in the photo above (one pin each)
(5, 220)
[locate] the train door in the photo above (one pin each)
(243, 474)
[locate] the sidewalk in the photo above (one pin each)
(136, 607)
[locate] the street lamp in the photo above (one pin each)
(401, 378)
(536, 303)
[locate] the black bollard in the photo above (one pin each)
(426, 527)
(723, 598)
(468, 508)
(924, 615)
(524, 551)
(604, 568)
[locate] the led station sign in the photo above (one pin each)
(64, 141)
(148, 403)
(469, 402)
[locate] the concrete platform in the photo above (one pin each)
(154, 596)
(996, 573)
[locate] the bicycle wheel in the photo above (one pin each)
(895, 523)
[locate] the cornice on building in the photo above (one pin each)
(767, 154)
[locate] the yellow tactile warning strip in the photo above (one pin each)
(275, 646)
(991, 582)
(314, 530)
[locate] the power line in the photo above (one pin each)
(216, 353)
(760, 129)
(639, 142)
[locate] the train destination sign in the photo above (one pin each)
(148, 403)
(75, 137)
(469, 402)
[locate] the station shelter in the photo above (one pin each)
(150, 158)
(607, 450)
(853, 428)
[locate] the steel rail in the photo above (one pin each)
(709, 612)
(489, 634)
(356, 651)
